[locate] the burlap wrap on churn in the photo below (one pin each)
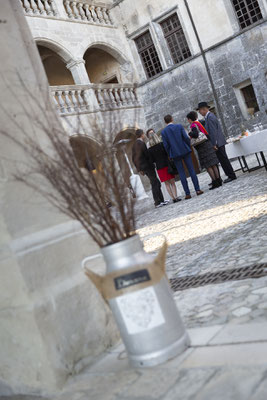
(106, 284)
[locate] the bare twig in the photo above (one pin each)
(52, 170)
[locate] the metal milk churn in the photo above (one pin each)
(144, 309)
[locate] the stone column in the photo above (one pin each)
(80, 77)
(78, 71)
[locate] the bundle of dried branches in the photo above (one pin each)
(96, 195)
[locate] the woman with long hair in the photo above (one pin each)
(206, 153)
(159, 156)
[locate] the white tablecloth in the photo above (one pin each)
(248, 145)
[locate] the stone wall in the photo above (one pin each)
(234, 56)
(246, 60)
(109, 122)
(53, 322)
(178, 91)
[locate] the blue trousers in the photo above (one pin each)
(180, 168)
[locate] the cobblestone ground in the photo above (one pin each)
(227, 322)
(222, 229)
(231, 302)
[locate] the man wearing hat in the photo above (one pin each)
(217, 138)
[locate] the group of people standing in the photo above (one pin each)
(170, 154)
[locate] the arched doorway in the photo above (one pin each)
(101, 66)
(97, 160)
(87, 152)
(55, 67)
(124, 142)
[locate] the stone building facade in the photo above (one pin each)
(233, 40)
(100, 43)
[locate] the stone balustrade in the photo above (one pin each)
(84, 11)
(83, 98)
(112, 96)
(39, 7)
(71, 99)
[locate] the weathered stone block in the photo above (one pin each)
(73, 344)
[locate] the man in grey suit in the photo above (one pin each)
(217, 138)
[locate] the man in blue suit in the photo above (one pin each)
(177, 144)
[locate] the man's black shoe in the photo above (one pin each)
(229, 180)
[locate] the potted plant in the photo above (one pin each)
(80, 176)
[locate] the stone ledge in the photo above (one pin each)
(46, 237)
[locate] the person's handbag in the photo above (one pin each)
(172, 168)
(200, 139)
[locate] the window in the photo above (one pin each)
(246, 98)
(213, 108)
(112, 79)
(247, 11)
(175, 38)
(250, 99)
(148, 54)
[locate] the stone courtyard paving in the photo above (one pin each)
(223, 229)
(227, 322)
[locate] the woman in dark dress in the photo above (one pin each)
(206, 153)
(159, 156)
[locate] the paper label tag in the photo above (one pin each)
(131, 279)
(140, 310)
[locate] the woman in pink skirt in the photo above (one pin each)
(160, 158)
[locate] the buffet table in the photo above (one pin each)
(253, 144)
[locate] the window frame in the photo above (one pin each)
(248, 99)
(176, 33)
(241, 99)
(146, 48)
(248, 13)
